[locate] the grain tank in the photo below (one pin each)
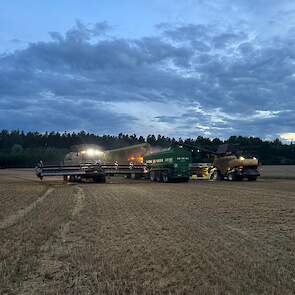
(172, 164)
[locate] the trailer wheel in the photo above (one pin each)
(152, 176)
(159, 176)
(165, 177)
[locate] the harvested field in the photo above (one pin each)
(136, 237)
(278, 171)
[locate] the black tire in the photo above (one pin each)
(252, 178)
(99, 179)
(165, 177)
(159, 177)
(152, 176)
(216, 175)
(231, 177)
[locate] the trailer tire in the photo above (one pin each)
(165, 177)
(159, 177)
(152, 176)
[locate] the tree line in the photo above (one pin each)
(25, 149)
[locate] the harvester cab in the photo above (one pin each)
(231, 164)
(84, 155)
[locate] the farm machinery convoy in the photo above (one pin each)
(178, 163)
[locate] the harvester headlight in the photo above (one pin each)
(93, 152)
(241, 158)
(254, 158)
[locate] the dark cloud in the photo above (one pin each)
(198, 79)
(59, 114)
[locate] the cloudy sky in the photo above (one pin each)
(180, 68)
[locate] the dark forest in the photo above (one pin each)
(25, 149)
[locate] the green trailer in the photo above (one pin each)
(169, 165)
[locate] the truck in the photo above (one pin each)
(172, 164)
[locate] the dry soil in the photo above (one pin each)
(136, 237)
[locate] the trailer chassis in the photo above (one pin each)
(97, 172)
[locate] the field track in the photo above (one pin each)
(136, 237)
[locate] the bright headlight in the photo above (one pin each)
(93, 152)
(242, 158)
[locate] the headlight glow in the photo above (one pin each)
(242, 158)
(92, 152)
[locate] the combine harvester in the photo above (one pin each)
(229, 163)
